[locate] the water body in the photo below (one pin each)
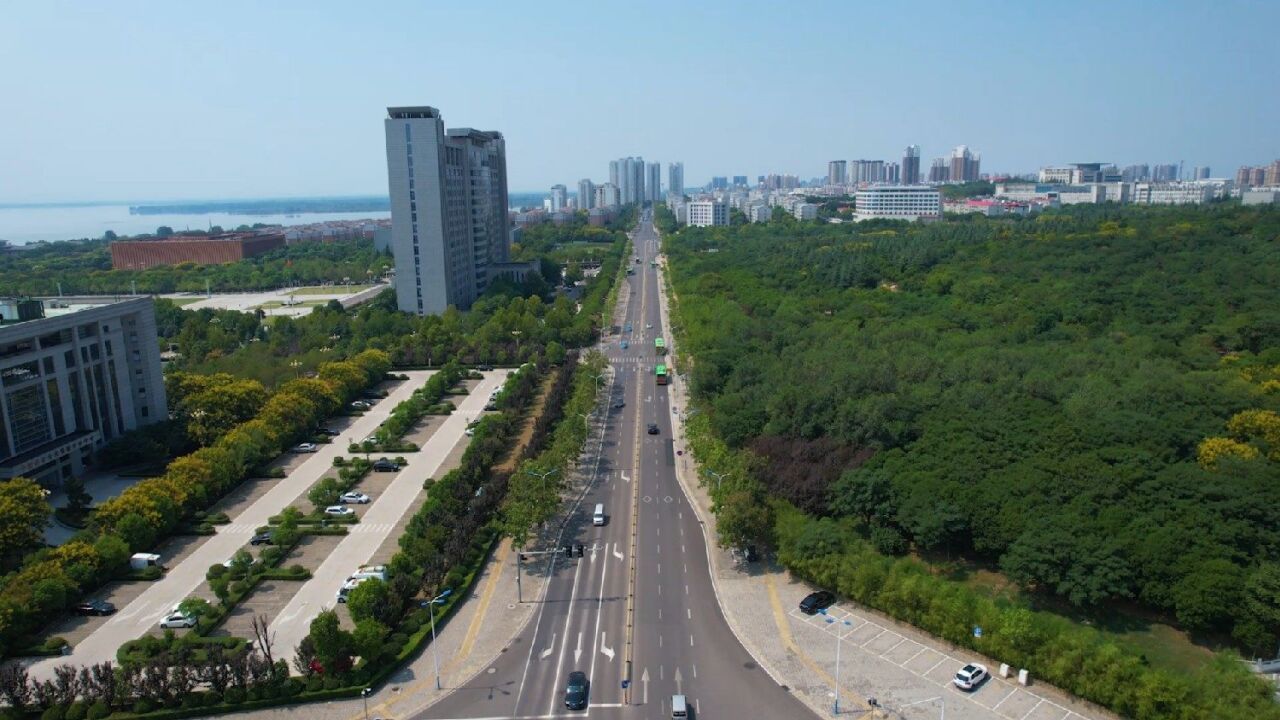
(24, 224)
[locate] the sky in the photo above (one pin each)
(175, 100)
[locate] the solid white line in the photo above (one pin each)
(1033, 708)
(591, 675)
(568, 616)
(1006, 697)
(935, 665)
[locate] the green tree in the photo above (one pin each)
(77, 498)
(24, 513)
(742, 518)
(194, 607)
(368, 639)
(325, 492)
(372, 600)
(332, 644)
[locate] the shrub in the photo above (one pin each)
(233, 696)
(191, 701)
(77, 711)
(290, 688)
(215, 571)
(98, 711)
(888, 540)
(332, 683)
(57, 712)
(211, 698)
(339, 461)
(143, 706)
(315, 683)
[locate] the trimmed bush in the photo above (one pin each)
(98, 711)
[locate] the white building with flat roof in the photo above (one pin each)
(805, 211)
(708, 213)
(73, 380)
(1171, 193)
(898, 202)
(759, 213)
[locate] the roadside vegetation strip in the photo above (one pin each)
(407, 414)
(52, 580)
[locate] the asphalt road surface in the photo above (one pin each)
(639, 606)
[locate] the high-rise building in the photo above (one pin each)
(74, 381)
(626, 179)
(740, 180)
(719, 182)
(708, 213)
(586, 194)
(608, 196)
(1135, 173)
(1272, 175)
(653, 184)
(892, 173)
(675, 178)
(1260, 176)
(836, 170)
(1201, 173)
(911, 165)
(939, 171)
(1164, 173)
(448, 209)
(614, 173)
(964, 164)
(558, 195)
(637, 180)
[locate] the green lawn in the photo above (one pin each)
(184, 301)
(332, 289)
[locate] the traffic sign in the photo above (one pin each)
(626, 684)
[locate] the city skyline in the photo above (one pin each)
(261, 120)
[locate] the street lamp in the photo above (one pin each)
(835, 709)
(435, 651)
(544, 475)
(719, 477)
(364, 696)
(516, 334)
(295, 365)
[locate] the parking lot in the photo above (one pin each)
(912, 678)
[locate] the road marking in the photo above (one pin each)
(477, 620)
(577, 652)
(688, 613)
(608, 651)
(547, 652)
(659, 641)
(686, 589)
(695, 672)
(615, 551)
(690, 639)
(1033, 709)
(568, 615)
(659, 568)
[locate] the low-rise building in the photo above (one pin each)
(759, 213)
(73, 378)
(708, 213)
(1260, 196)
(1171, 193)
(805, 211)
(202, 250)
(898, 202)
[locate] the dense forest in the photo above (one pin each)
(1084, 401)
(84, 266)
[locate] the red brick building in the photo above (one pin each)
(209, 250)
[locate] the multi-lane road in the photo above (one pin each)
(639, 606)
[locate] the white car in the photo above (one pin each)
(371, 439)
(304, 448)
(970, 676)
(357, 498)
(471, 431)
(177, 620)
(339, 511)
(347, 587)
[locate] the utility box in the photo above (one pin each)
(1024, 677)
(1004, 670)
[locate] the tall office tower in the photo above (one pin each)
(892, 173)
(939, 171)
(653, 184)
(558, 195)
(1135, 173)
(608, 196)
(614, 171)
(1272, 175)
(911, 165)
(1259, 176)
(836, 170)
(675, 178)
(740, 180)
(626, 176)
(1164, 173)
(719, 182)
(964, 164)
(1244, 176)
(448, 209)
(637, 180)
(586, 194)
(1202, 173)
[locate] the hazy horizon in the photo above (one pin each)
(241, 100)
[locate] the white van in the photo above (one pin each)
(597, 518)
(679, 708)
(370, 571)
(347, 587)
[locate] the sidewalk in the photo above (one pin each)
(907, 671)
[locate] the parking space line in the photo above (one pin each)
(1033, 708)
(904, 663)
(996, 707)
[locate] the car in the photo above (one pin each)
(628, 328)
(970, 676)
(385, 465)
(575, 691)
(619, 405)
(177, 620)
(648, 325)
(491, 406)
(357, 498)
(94, 607)
(820, 600)
(625, 345)
(328, 432)
(304, 448)
(263, 538)
(470, 431)
(653, 428)
(637, 260)
(339, 511)
(484, 368)
(360, 405)
(371, 439)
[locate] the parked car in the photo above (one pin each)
(354, 497)
(177, 620)
(385, 465)
(304, 448)
(491, 406)
(95, 607)
(328, 432)
(619, 405)
(627, 328)
(360, 405)
(371, 439)
(339, 511)
(653, 429)
(484, 368)
(624, 345)
(813, 602)
(261, 539)
(970, 676)
(575, 691)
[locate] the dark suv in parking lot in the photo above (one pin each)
(813, 602)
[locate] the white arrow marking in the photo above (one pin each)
(625, 478)
(547, 653)
(577, 654)
(679, 682)
(593, 553)
(644, 679)
(615, 551)
(608, 651)
(292, 615)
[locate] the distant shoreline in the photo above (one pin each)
(249, 206)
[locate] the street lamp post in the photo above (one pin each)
(435, 651)
(295, 365)
(835, 708)
(364, 696)
(718, 476)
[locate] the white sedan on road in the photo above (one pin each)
(177, 620)
(339, 511)
(304, 448)
(353, 497)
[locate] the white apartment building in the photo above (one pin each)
(708, 213)
(559, 193)
(73, 380)
(586, 194)
(1171, 193)
(805, 211)
(449, 222)
(608, 195)
(759, 213)
(898, 202)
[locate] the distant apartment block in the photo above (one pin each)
(805, 211)
(759, 213)
(939, 171)
(653, 182)
(1260, 197)
(1171, 193)
(836, 172)
(72, 379)
(708, 213)
(675, 178)
(206, 250)
(558, 197)
(911, 165)
(898, 202)
(586, 194)
(449, 221)
(965, 165)
(608, 196)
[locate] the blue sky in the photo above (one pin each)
(160, 100)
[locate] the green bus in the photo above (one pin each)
(660, 346)
(660, 374)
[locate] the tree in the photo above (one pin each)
(325, 492)
(368, 639)
(372, 599)
(332, 644)
(164, 231)
(77, 499)
(194, 607)
(743, 518)
(24, 513)
(263, 639)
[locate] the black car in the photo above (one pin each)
(619, 405)
(261, 539)
(385, 465)
(95, 607)
(575, 691)
(328, 432)
(653, 428)
(484, 368)
(813, 602)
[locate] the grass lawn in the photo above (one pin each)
(332, 289)
(180, 302)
